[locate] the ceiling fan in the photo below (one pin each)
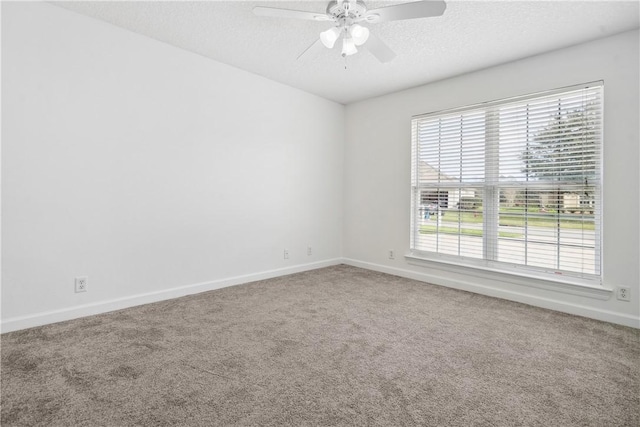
(350, 18)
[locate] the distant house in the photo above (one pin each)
(564, 200)
(446, 197)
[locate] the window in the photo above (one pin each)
(513, 185)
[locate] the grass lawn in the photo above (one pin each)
(516, 218)
(432, 228)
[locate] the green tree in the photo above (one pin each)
(565, 149)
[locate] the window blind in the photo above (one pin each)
(512, 184)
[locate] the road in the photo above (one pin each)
(573, 251)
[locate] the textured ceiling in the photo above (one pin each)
(469, 36)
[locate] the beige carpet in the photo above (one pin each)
(336, 346)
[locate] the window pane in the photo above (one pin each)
(451, 149)
(514, 182)
(450, 221)
(551, 229)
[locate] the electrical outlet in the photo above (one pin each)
(309, 251)
(623, 294)
(82, 284)
(286, 254)
(392, 255)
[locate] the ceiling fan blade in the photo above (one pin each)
(287, 13)
(418, 9)
(313, 47)
(379, 49)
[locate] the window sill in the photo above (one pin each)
(565, 285)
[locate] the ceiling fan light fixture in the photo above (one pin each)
(348, 47)
(359, 34)
(329, 37)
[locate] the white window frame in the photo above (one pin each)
(487, 262)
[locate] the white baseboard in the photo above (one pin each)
(465, 285)
(39, 319)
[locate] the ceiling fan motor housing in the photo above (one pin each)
(346, 10)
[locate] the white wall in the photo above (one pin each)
(150, 169)
(377, 168)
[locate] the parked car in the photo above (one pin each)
(431, 209)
